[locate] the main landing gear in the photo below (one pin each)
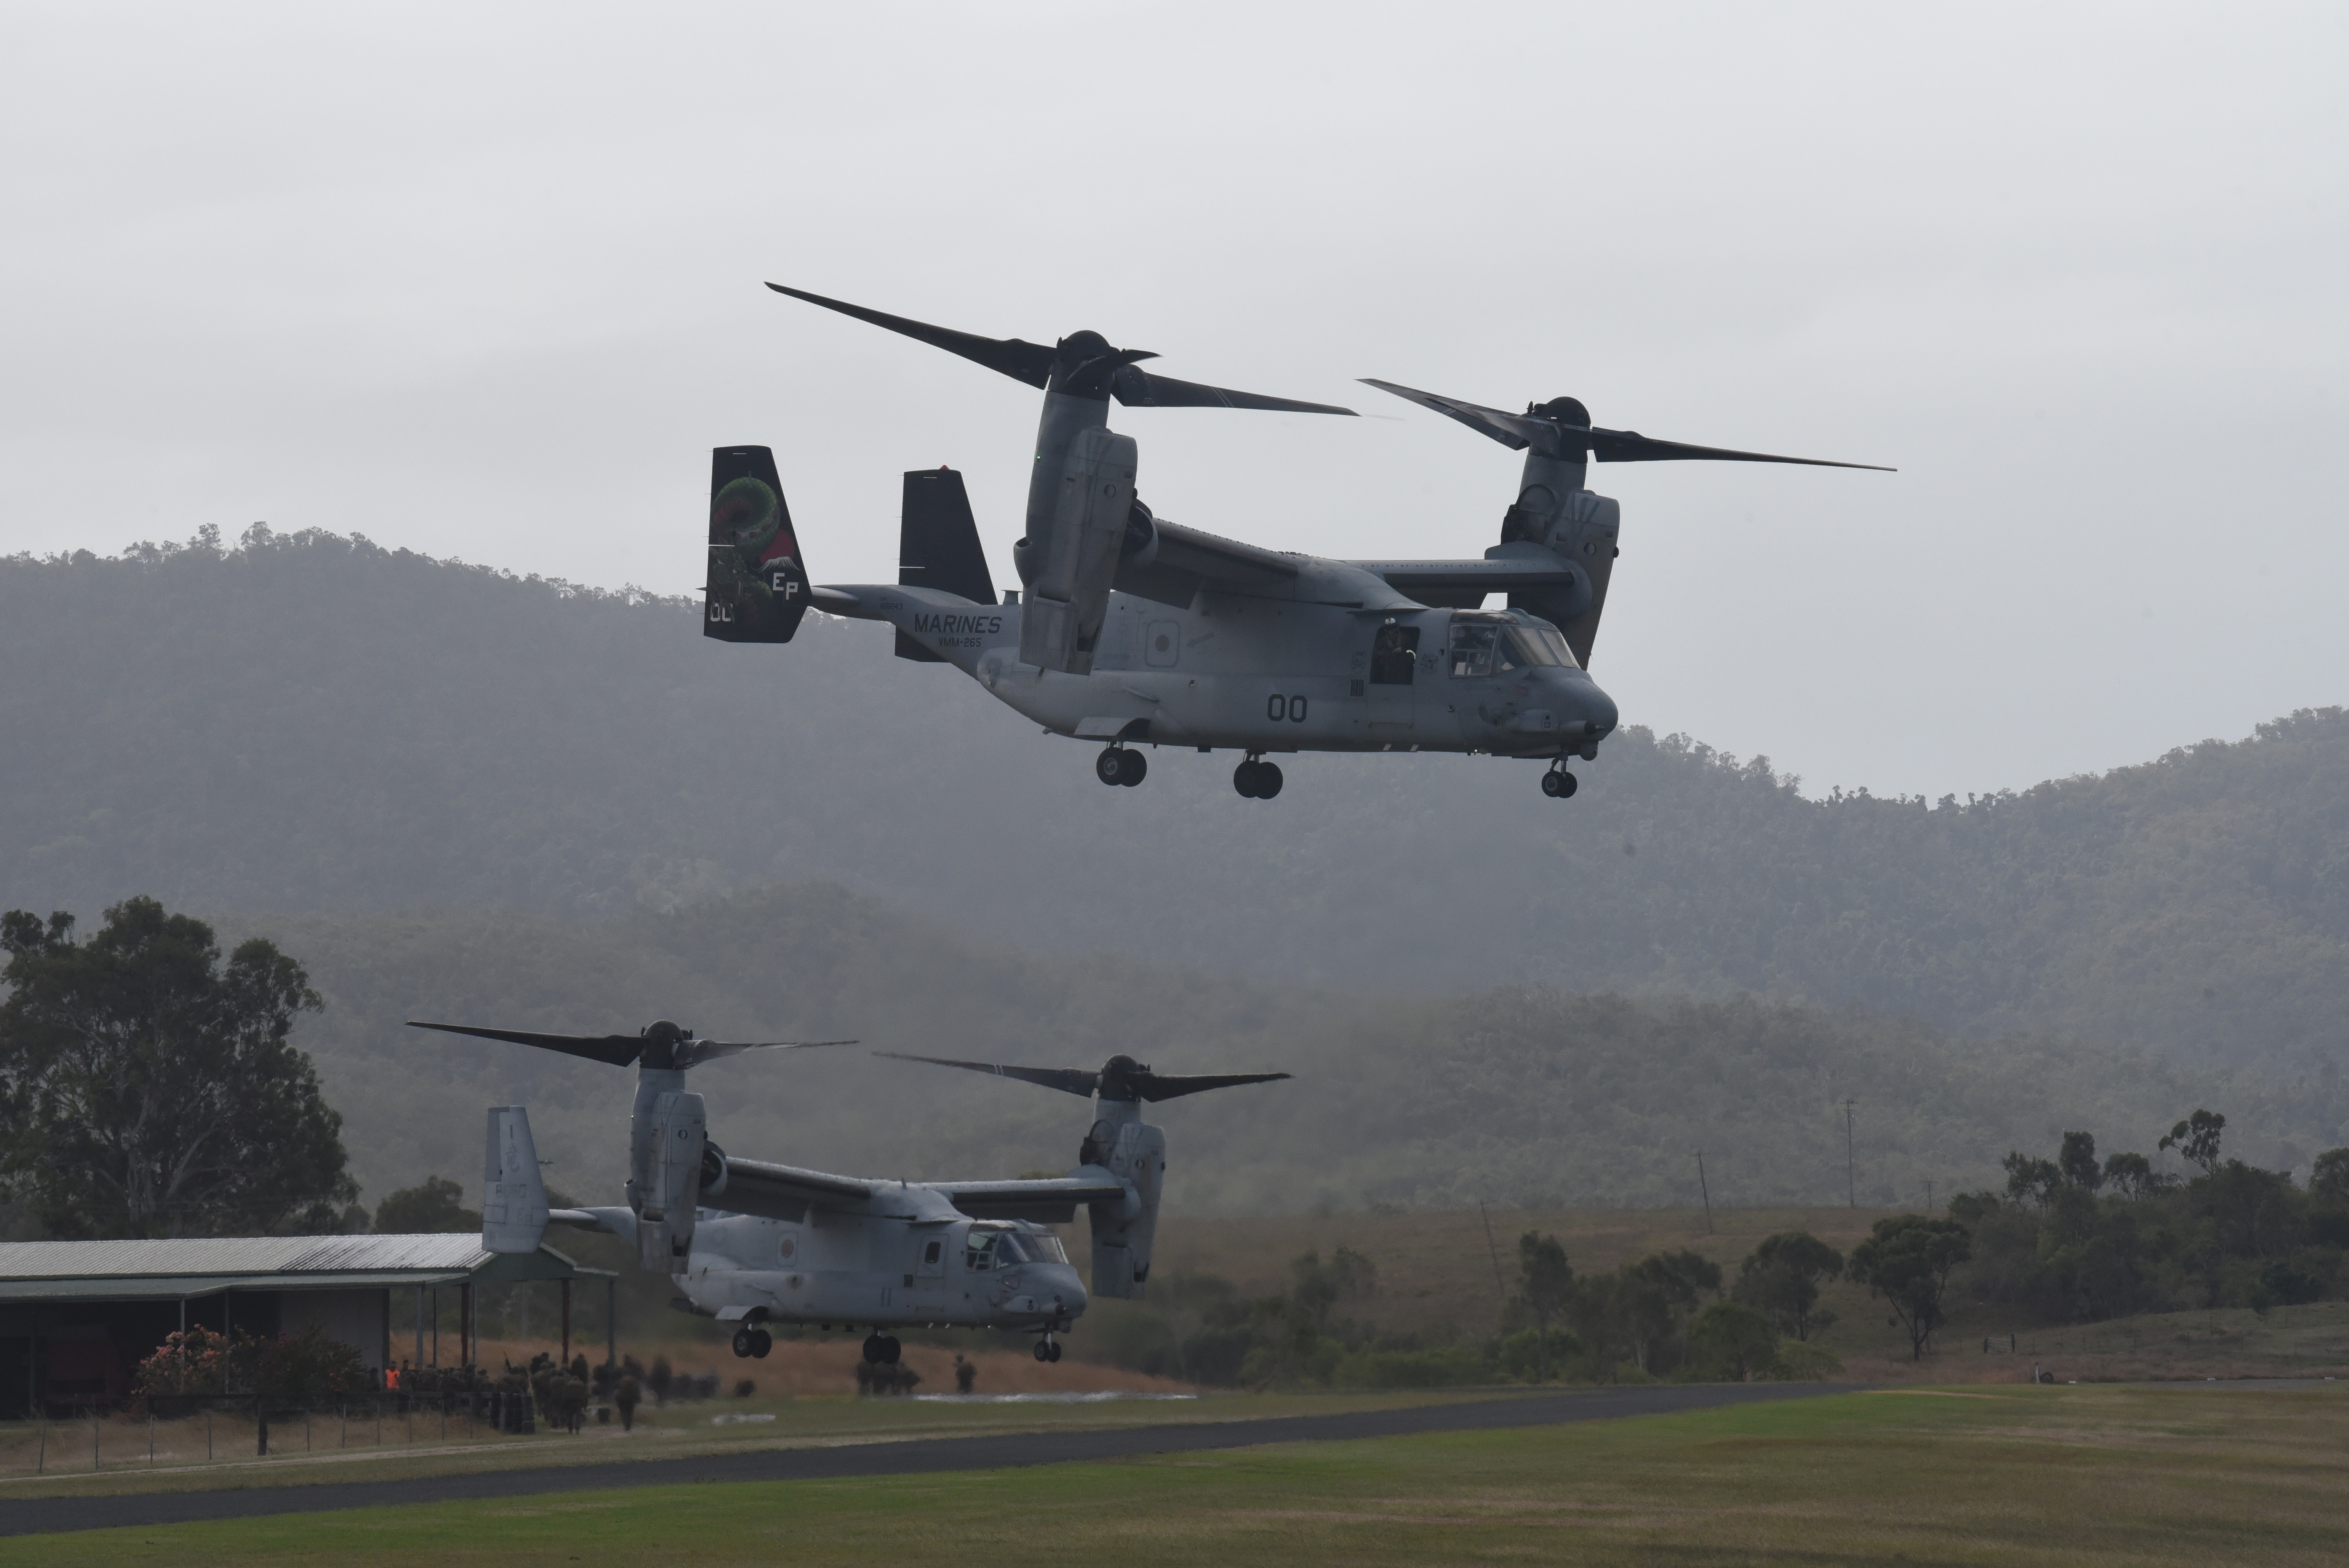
(1558, 783)
(1257, 780)
(881, 1349)
(751, 1342)
(1048, 1349)
(1116, 764)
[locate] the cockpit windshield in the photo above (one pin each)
(1031, 1248)
(1001, 1249)
(1535, 647)
(1493, 647)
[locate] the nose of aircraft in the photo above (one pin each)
(1581, 698)
(1061, 1281)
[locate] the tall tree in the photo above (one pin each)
(1655, 1295)
(1906, 1260)
(1548, 1283)
(2196, 1138)
(152, 1091)
(1781, 1280)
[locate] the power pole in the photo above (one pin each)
(1850, 1168)
(1492, 1247)
(1706, 1192)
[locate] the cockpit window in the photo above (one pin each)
(1535, 648)
(978, 1254)
(1472, 646)
(1030, 1248)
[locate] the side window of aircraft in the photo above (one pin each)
(930, 1252)
(979, 1256)
(1394, 655)
(1471, 647)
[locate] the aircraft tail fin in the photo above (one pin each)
(938, 546)
(513, 1194)
(757, 587)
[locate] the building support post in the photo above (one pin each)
(466, 1327)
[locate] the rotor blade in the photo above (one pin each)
(1069, 1080)
(618, 1050)
(1015, 357)
(1139, 388)
(1156, 1087)
(1511, 431)
(1630, 446)
(1555, 438)
(699, 1051)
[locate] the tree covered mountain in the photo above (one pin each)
(1519, 1095)
(310, 724)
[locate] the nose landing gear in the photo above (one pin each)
(1118, 765)
(1558, 783)
(1257, 780)
(1048, 1349)
(752, 1342)
(881, 1349)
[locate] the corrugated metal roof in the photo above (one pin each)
(171, 1287)
(377, 1253)
(195, 1256)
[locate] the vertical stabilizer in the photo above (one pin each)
(513, 1194)
(757, 586)
(939, 547)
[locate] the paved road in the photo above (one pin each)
(915, 1457)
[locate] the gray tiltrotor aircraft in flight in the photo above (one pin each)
(1135, 631)
(752, 1244)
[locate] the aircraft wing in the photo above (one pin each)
(1463, 584)
(1188, 557)
(1051, 1200)
(784, 1191)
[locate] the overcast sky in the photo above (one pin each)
(485, 281)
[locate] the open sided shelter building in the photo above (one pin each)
(77, 1317)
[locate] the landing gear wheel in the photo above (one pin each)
(761, 1343)
(1110, 766)
(1131, 768)
(874, 1351)
(744, 1340)
(1257, 780)
(890, 1349)
(1055, 1350)
(1558, 783)
(1044, 1350)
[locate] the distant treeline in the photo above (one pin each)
(307, 723)
(1519, 1096)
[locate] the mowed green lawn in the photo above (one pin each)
(2067, 1475)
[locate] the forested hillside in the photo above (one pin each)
(1518, 1096)
(309, 724)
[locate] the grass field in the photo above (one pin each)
(2057, 1475)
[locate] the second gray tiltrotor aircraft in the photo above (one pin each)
(752, 1243)
(1136, 631)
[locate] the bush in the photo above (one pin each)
(1799, 1362)
(1454, 1366)
(1521, 1353)
(302, 1368)
(1728, 1343)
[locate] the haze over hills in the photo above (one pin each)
(310, 724)
(1518, 1096)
